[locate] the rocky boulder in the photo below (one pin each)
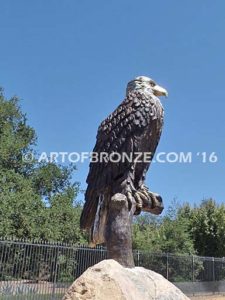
(108, 280)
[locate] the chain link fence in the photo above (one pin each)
(40, 270)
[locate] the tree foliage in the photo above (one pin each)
(166, 234)
(207, 227)
(184, 229)
(36, 198)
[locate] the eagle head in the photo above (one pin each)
(147, 85)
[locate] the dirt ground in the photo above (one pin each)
(213, 297)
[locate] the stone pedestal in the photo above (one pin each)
(108, 280)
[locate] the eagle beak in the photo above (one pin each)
(159, 91)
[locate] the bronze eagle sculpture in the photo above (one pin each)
(134, 127)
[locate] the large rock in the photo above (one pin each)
(108, 280)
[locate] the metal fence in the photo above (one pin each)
(40, 270)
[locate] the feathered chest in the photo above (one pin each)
(134, 115)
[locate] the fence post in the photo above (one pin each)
(193, 268)
(213, 268)
(167, 266)
(138, 258)
(55, 273)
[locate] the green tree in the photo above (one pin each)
(163, 234)
(36, 198)
(16, 137)
(207, 224)
(63, 219)
(20, 206)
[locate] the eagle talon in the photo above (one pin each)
(151, 202)
(144, 188)
(138, 200)
(154, 203)
(143, 195)
(130, 200)
(153, 198)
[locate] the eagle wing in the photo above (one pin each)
(135, 126)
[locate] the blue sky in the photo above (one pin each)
(69, 61)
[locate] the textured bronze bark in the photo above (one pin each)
(118, 232)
